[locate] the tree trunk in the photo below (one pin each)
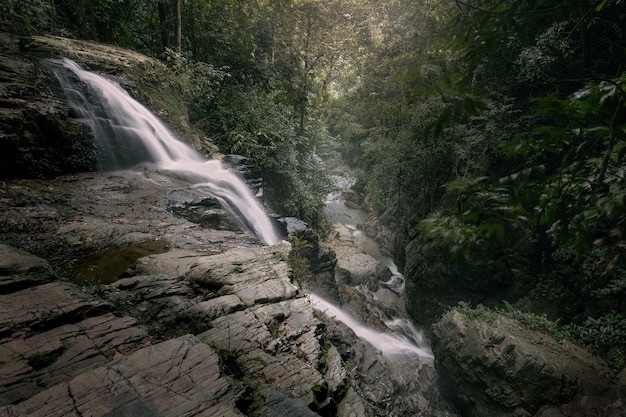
(179, 30)
(53, 17)
(163, 21)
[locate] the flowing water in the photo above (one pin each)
(407, 341)
(128, 135)
(334, 204)
(336, 210)
(401, 336)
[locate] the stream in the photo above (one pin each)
(396, 358)
(400, 337)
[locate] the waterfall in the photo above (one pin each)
(128, 134)
(406, 340)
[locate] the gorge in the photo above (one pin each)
(218, 319)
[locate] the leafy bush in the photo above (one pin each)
(201, 83)
(491, 231)
(254, 123)
(532, 321)
(604, 336)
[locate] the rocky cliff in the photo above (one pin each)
(40, 138)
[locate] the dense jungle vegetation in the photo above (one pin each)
(492, 131)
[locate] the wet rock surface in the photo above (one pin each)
(355, 267)
(504, 369)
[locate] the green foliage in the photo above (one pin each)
(565, 283)
(201, 83)
(26, 17)
(530, 320)
(513, 43)
(581, 149)
(258, 125)
(483, 218)
(478, 313)
(565, 198)
(491, 232)
(299, 264)
(575, 285)
(604, 336)
(548, 59)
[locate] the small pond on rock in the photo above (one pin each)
(108, 265)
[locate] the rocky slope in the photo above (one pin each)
(210, 323)
(502, 369)
(129, 293)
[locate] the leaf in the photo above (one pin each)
(601, 5)
(622, 152)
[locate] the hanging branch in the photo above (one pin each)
(503, 12)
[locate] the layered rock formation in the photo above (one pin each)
(504, 369)
(204, 321)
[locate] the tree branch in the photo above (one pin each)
(546, 10)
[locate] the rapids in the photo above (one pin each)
(401, 337)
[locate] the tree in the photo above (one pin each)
(552, 216)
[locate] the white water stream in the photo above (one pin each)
(129, 134)
(388, 343)
(401, 336)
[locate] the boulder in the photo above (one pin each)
(503, 369)
(20, 269)
(355, 267)
(317, 260)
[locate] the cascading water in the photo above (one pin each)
(401, 337)
(408, 341)
(128, 134)
(338, 212)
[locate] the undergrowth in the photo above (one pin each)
(604, 336)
